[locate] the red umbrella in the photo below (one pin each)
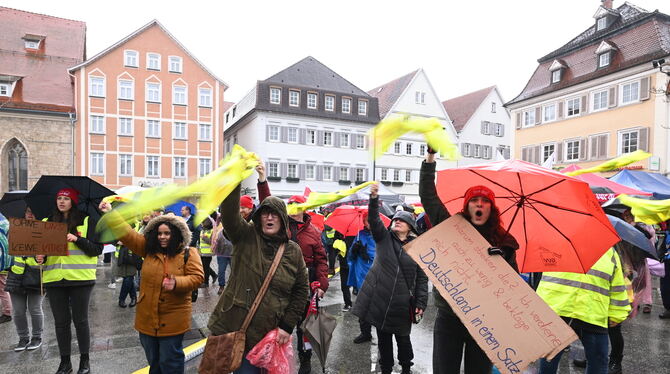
(597, 181)
(348, 220)
(555, 218)
(317, 219)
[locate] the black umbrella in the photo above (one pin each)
(632, 235)
(13, 204)
(42, 198)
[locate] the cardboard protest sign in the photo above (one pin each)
(503, 314)
(30, 238)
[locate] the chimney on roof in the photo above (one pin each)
(607, 3)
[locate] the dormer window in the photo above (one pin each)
(556, 76)
(605, 53)
(603, 60)
(5, 89)
(556, 70)
(32, 41)
(7, 84)
(32, 44)
(601, 23)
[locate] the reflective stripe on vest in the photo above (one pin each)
(20, 264)
(76, 266)
(204, 247)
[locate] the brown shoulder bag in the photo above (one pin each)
(223, 353)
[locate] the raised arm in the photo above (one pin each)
(263, 187)
(129, 237)
(428, 193)
(376, 225)
(234, 225)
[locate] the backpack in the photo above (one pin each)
(194, 293)
(5, 259)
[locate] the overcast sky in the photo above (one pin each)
(462, 45)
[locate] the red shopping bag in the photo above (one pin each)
(275, 358)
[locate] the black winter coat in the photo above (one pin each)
(384, 298)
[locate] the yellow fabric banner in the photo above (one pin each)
(317, 199)
(615, 163)
(648, 211)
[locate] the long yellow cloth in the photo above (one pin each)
(210, 190)
(648, 211)
(615, 163)
(317, 199)
(390, 129)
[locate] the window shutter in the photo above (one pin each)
(560, 110)
(538, 115)
(284, 134)
(537, 151)
(336, 139)
(302, 135)
(593, 147)
(502, 129)
(353, 138)
(490, 152)
(585, 105)
(559, 152)
(582, 149)
(602, 146)
(283, 170)
(365, 174)
(507, 153)
(463, 149)
(319, 172)
(524, 154)
(336, 173)
(644, 139)
(644, 88)
(319, 137)
(612, 96)
(267, 133)
(518, 120)
(301, 171)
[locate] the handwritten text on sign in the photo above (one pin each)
(29, 238)
(502, 313)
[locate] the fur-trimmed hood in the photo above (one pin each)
(178, 222)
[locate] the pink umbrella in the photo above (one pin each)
(597, 181)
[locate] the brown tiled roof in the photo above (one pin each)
(389, 93)
(227, 105)
(45, 83)
(641, 39)
(461, 108)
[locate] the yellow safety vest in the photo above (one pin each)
(205, 248)
(594, 297)
(76, 266)
(20, 264)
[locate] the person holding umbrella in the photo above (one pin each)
(69, 280)
(395, 291)
(449, 334)
(361, 256)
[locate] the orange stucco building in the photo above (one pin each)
(148, 112)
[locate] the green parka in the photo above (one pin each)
(253, 252)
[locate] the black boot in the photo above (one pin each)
(614, 367)
(406, 370)
(133, 302)
(65, 366)
(305, 362)
(84, 364)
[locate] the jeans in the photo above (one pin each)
(223, 262)
(247, 367)
(5, 300)
(128, 288)
(206, 265)
(68, 305)
(344, 276)
(405, 352)
(449, 337)
(595, 348)
(30, 301)
(665, 286)
(165, 354)
(617, 343)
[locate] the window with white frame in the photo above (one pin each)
(344, 140)
(312, 99)
(175, 64)
(125, 126)
(556, 76)
(130, 58)
(205, 97)
(477, 151)
(360, 174)
(154, 92)
(96, 86)
(273, 133)
(549, 113)
(486, 127)
(499, 129)
(396, 175)
(293, 98)
(328, 138)
(204, 131)
(97, 125)
(420, 97)
(125, 165)
(179, 130)
(344, 173)
(330, 103)
(153, 166)
(153, 61)
(467, 149)
(572, 150)
(179, 95)
(5, 89)
(486, 152)
(126, 89)
(408, 148)
(601, 23)
(362, 107)
(180, 167)
(275, 95)
(360, 141)
(408, 176)
(327, 173)
(97, 163)
(529, 117)
(292, 135)
(310, 171)
(310, 137)
(422, 150)
(153, 128)
(573, 107)
(396, 147)
(273, 169)
(346, 105)
(547, 151)
(493, 107)
(603, 59)
(600, 100)
(32, 44)
(629, 141)
(204, 167)
(385, 174)
(630, 92)
(292, 171)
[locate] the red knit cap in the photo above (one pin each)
(69, 192)
(246, 201)
(297, 199)
(478, 191)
